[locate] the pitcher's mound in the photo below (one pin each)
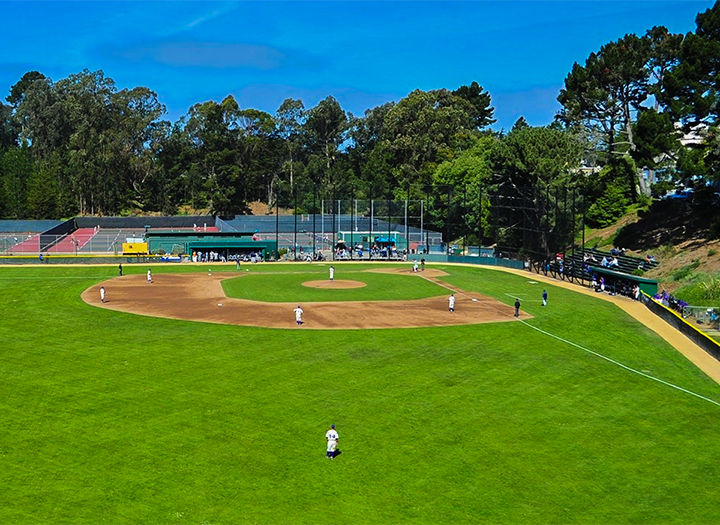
(338, 285)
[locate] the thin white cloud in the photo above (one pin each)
(210, 16)
(202, 19)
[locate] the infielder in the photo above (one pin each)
(102, 294)
(298, 315)
(451, 302)
(332, 438)
(149, 276)
(332, 273)
(415, 266)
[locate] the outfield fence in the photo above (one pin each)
(708, 316)
(676, 320)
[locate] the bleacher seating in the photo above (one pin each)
(574, 265)
(72, 242)
(110, 240)
(626, 263)
(24, 242)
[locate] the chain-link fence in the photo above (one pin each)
(677, 320)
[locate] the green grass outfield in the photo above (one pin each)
(117, 418)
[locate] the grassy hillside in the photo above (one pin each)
(682, 237)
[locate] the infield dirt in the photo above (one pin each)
(197, 297)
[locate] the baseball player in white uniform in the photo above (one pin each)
(298, 315)
(332, 438)
(415, 266)
(451, 302)
(102, 294)
(149, 276)
(332, 273)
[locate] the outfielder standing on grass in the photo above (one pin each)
(332, 438)
(544, 297)
(332, 273)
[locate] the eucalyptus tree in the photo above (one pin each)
(260, 155)
(289, 119)
(96, 140)
(324, 132)
(8, 130)
(18, 90)
(132, 143)
(15, 173)
(210, 134)
(368, 156)
(424, 129)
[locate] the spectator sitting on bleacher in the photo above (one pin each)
(615, 262)
(604, 262)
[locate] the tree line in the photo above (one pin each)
(80, 145)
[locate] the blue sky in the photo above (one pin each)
(362, 53)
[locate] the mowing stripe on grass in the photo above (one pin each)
(61, 278)
(630, 369)
(520, 298)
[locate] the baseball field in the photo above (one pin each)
(159, 406)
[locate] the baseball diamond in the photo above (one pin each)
(194, 297)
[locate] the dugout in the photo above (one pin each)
(225, 243)
(614, 281)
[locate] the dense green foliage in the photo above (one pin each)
(121, 418)
(80, 145)
(641, 94)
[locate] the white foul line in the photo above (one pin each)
(621, 365)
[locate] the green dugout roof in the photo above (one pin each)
(649, 286)
(232, 243)
(194, 233)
